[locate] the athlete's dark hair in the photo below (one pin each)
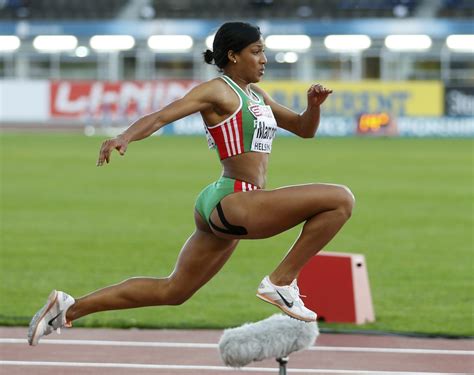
(231, 36)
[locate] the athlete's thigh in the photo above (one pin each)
(201, 257)
(265, 213)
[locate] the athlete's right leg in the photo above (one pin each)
(324, 208)
(201, 257)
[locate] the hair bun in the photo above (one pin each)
(208, 56)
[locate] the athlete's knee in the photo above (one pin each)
(346, 201)
(175, 293)
(179, 299)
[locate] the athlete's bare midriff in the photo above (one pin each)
(249, 167)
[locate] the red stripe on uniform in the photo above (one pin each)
(241, 130)
(243, 186)
(230, 132)
(226, 139)
(229, 137)
(238, 123)
(237, 186)
(220, 142)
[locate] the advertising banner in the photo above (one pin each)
(364, 108)
(113, 101)
(458, 127)
(130, 99)
(459, 101)
(333, 126)
(350, 99)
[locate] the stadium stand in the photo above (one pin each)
(317, 18)
(206, 9)
(59, 9)
(457, 9)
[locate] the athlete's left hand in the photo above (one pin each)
(317, 94)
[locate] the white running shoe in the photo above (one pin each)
(51, 317)
(287, 298)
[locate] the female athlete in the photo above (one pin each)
(240, 121)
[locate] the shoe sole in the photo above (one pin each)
(286, 311)
(52, 299)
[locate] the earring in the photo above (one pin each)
(235, 61)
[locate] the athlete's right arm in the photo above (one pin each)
(200, 98)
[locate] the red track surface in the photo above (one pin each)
(173, 352)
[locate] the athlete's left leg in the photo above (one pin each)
(324, 209)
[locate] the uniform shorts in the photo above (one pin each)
(212, 194)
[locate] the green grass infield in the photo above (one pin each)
(68, 225)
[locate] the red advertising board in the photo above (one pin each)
(115, 100)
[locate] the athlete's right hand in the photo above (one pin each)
(118, 143)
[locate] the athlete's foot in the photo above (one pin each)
(287, 298)
(51, 317)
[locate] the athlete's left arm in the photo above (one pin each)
(306, 123)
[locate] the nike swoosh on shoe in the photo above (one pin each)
(289, 304)
(50, 323)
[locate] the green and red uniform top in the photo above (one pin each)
(251, 128)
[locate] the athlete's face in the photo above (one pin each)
(252, 59)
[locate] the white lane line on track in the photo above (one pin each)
(215, 346)
(209, 368)
(391, 350)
